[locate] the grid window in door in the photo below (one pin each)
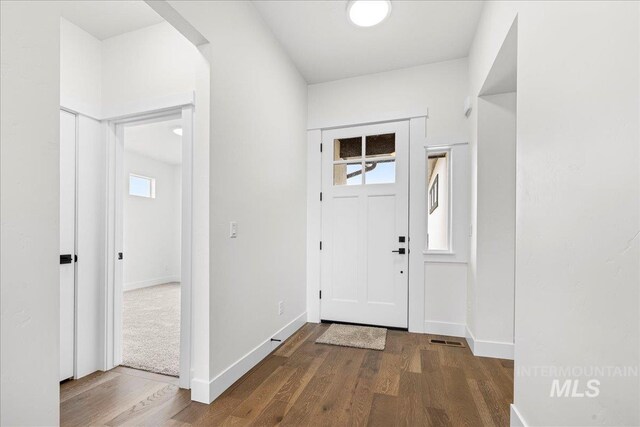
(377, 165)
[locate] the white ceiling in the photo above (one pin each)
(107, 18)
(155, 140)
(325, 45)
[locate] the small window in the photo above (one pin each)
(142, 186)
(438, 229)
(376, 166)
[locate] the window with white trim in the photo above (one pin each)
(438, 201)
(142, 186)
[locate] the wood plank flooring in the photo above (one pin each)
(410, 383)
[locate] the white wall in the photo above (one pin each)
(440, 89)
(80, 70)
(29, 213)
(491, 285)
(258, 170)
(104, 79)
(31, 70)
(150, 63)
(152, 226)
(437, 88)
(576, 295)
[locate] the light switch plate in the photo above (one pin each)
(233, 229)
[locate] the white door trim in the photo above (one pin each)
(114, 244)
(417, 138)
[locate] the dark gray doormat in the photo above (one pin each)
(354, 336)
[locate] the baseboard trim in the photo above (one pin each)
(495, 349)
(200, 390)
(445, 328)
(151, 282)
(516, 419)
(207, 392)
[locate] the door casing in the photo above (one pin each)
(364, 308)
(417, 141)
(116, 188)
(68, 246)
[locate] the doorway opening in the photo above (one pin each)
(151, 212)
(150, 242)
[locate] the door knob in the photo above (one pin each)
(400, 251)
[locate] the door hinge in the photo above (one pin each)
(321, 147)
(321, 196)
(320, 294)
(321, 245)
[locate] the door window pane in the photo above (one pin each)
(347, 174)
(381, 145)
(380, 172)
(347, 148)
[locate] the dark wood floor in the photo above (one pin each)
(411, 382)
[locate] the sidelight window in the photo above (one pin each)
(438, 200)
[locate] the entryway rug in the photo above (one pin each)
(354, 336)
(151, 329)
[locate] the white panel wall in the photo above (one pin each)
(439, 89)
(152, 226)
(445, 297)
(29, 213)
(577, 212)
(258, 170)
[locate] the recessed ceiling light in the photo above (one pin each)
(177, 131)
(367, 13)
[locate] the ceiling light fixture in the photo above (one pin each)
(177, 131)
(367, 13)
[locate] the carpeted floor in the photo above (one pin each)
(151, 329)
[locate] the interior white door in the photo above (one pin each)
(365, 223)
(67, 241)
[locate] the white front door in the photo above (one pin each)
(67, 241)
(365, 223)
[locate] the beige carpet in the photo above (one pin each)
(151, 329)
(354, 336)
